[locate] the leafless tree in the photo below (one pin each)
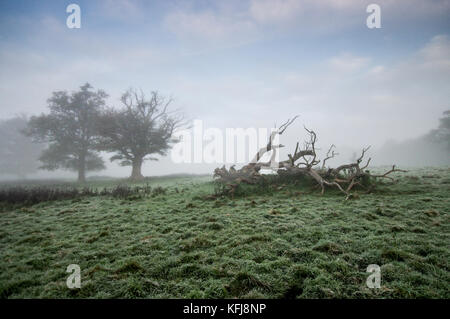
(141, 128)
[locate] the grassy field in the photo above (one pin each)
(285, 243)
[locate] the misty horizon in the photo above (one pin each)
(235, 157)
(240, 65)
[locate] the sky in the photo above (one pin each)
(246, 63)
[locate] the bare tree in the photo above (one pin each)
(141, 128)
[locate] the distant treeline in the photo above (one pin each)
(431, 149)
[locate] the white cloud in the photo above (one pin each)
(207, 25)
(349, 99)
(261, 18)
(348, 63)
(268, 11)
(436, 54)
(378, 69)
(125, 10)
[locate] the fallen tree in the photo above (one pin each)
(302, 163)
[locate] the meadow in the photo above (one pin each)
(175, 239)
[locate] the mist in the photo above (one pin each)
(419, 151)
(250, 64)
(210, 152)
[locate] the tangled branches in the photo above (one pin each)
(303, 162)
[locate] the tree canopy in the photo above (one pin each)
(70, 129)
(442, 133)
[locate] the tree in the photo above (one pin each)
(71, 131)
(442, 133)
(141, 128)
(18, 154)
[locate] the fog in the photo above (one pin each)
(244, 64)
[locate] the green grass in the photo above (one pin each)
(282, 244)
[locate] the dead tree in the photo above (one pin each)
(303, 162)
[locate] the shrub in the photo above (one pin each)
(33, 195)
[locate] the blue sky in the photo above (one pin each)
(241, 63)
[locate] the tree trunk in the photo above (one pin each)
(136, 172)
(82, 169)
